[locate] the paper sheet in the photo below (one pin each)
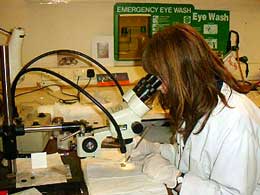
(105, 176)
(56, 172)
(39, 160)
(103, 169)
(132, 185)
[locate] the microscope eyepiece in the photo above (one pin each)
(147, 87)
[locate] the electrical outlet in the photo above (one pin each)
(80, 74)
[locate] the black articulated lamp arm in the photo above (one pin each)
(117, 128)
(26, 66)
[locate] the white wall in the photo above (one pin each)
(74, 25)
(50, 27)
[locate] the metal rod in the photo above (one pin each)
(6, 86)
(41, 129)
(69, 136)
(48, 128)
(9, 136)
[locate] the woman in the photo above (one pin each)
(217, 127)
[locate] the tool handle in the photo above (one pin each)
(142, 137)
(138, 143)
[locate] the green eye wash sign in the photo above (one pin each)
(214, 26)
(135, 23)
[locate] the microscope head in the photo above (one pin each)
(129, 114)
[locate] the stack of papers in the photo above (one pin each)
(27, 175)
(104, 175)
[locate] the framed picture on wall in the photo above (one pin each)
(103, 50)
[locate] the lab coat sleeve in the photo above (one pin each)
(233, 171)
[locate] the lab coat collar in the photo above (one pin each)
(226, 91)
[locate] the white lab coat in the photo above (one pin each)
(224, 158)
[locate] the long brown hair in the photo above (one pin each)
(181, 57)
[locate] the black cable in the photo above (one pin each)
(65, 101)
(78, 94)
(117, 128)
(68, 94)
(20, 73)
(244, 59)
(229, 44)
(27, 92)
(87, 84)
(70, 52)
(78, 91)
(76, 97)
(5, 31)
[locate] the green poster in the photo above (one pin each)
(214, 26)
(135, 23)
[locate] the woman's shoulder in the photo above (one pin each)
(239, 105)
(239, 116)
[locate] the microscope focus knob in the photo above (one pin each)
(89, 145)
(137, 127)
